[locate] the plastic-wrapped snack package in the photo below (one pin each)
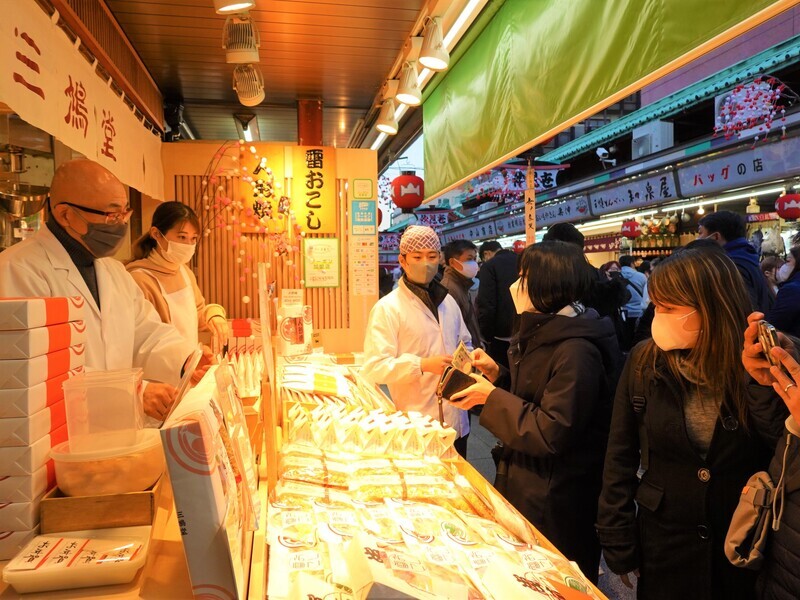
(291, 556)
(378, 520)
(318, 471)
(337, 520)
(554, 568)
(494, 534)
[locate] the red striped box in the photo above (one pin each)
(27, 343)
(25, 460)
(27, 372)
(24, 488)
(11, 542)
(27, 313)
(23, 402)
(20, 516)
(23, 431)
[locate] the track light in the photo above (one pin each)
(434, 55)
(247, 127)
(249, 84)
(224, 7)
(387, 123)
(408, 91)
(240, 39)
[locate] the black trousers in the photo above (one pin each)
(461, 446)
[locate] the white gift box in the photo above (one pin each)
(27, 313)
(27, 343)
(25, 460)
(27, 372)
(20, 516)
(24, 488)
(11, 542)
(23, 402)
(22, 431)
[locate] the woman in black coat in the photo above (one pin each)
(685, 413)
(780, 577)
(555, 415)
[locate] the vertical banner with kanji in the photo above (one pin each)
(530, 207)
(265, 205)
(314, 188)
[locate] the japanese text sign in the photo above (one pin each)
(314, 189)
(634, 193)
(571, 209)
(363, 217)
(321, 262)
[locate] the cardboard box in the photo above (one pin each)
(75, 513)
(27, 343)
(27, 372)
(23, 402)
(20, 516)
(27, 313)
(25, 460)
(23, 431)
(11, 542)
(24, 488)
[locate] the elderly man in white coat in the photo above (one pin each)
(68, 257)
(413, 332)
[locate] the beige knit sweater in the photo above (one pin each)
(154, 269)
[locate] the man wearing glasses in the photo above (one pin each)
(71, 256)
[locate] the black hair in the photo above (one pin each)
(165, 217)
(730, 225)
(795, 252)
(491, 246)
(626, 260)
(644, 267)
(555, 274)
(456, 248)
(564, 232)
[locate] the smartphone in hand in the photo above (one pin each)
(768, 336)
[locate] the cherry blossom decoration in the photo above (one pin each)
(756, 105)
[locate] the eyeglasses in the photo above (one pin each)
(112, 218)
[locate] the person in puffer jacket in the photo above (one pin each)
(780, 577)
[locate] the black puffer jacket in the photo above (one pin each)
(555, 422)
(674, 531)
(780, 575)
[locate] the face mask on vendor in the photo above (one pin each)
(420, 266)
(175, 252)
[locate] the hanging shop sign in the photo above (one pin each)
(602, 243)
(478, 231)
(363, 218)
(49, 84)
(572, 209)
(314, 188)
(636, 193)
(389, 242)
(510, 225)
(434, 218)
(266, 208)
(321, 262)
(767, 216)
(764, 162)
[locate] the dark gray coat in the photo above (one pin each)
(555, 419)
(685, 503)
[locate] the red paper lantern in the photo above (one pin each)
(788, 206)
(408, 191)
(519, 246)
(380, 217)
(631, 229)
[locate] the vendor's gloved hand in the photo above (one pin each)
(158, 399)
(206, 361)
(220, 331)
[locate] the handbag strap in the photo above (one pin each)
(639, 401)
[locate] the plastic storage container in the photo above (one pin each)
(104, 409)
(75, 559)
(115, 471)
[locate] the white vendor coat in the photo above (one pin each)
(401, 330)
(126, 333)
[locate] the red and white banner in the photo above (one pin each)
(49, 84)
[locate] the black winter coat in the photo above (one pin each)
(555, 422)
(495, 306)
(780, 575)
(685, 503)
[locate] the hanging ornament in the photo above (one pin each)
(408, 191)
(631, 229)
(788, 206)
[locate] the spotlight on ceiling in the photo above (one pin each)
(240, 39)
(387, 123)
(247, 127)
(248, 83)
(224, 7)
(408, 91)
(433, 54)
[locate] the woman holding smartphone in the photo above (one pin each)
(685, 413)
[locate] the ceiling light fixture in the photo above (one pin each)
(224, 7)
(241, 40)
(387, 123)
(247, 127)
(248, 83)
(433, 54)
(408, 91)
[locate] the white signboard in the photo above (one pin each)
(573, 209)
(635, 193)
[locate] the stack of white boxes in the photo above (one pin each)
(42, 344)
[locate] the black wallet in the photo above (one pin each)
(453, 381)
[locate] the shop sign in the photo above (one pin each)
(636, 193)
(314, 188)
(49, 84)
(264, 208)
(765, 162)
(389, 242)
(363, 217)
(759, 217)
(473, 232)
(363, 189)
(433, 219)
(510, 225)
(321, 262)
(573, 209)
(606, 243)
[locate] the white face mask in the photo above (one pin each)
(669, 332)
(177, 253)
(784, 272)
(522, 301)
(469, 268)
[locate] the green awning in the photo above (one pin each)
(780, 55)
